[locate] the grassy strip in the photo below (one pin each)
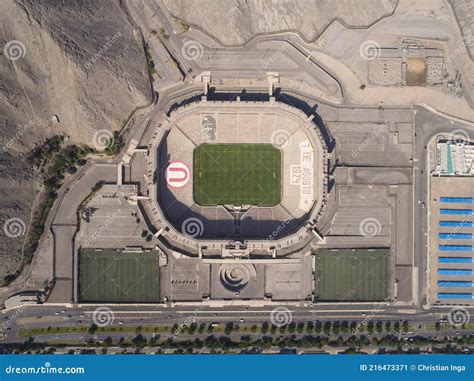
(149, 60)
(387, 344)
(446, 326)
(301, 328)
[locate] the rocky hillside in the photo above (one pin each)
(66, 67)
(239, 20)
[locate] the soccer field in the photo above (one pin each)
(237, 174)
(117, 276)
(352, 274)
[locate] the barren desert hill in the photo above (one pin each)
(79, 63)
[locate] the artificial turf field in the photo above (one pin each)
(117, 276)
(352, 275)
(237, 174)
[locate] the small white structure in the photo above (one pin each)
(22, 299)
(454, 158)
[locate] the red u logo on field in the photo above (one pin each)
(177, 174)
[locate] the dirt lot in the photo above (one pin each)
(416, 72)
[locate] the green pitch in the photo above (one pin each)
(352, 274)
(237, 174)
(117, 276)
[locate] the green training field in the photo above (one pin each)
(352, 274)
(237, 174)
(117, 276)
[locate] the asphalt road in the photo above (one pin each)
(132, 316)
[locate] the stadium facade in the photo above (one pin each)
(237, 251)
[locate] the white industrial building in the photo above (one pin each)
(454, 158)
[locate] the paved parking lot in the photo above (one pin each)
(452, 236)
(112, 220)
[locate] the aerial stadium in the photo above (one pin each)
(237, 204)
(237, 187)
(238, 170)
